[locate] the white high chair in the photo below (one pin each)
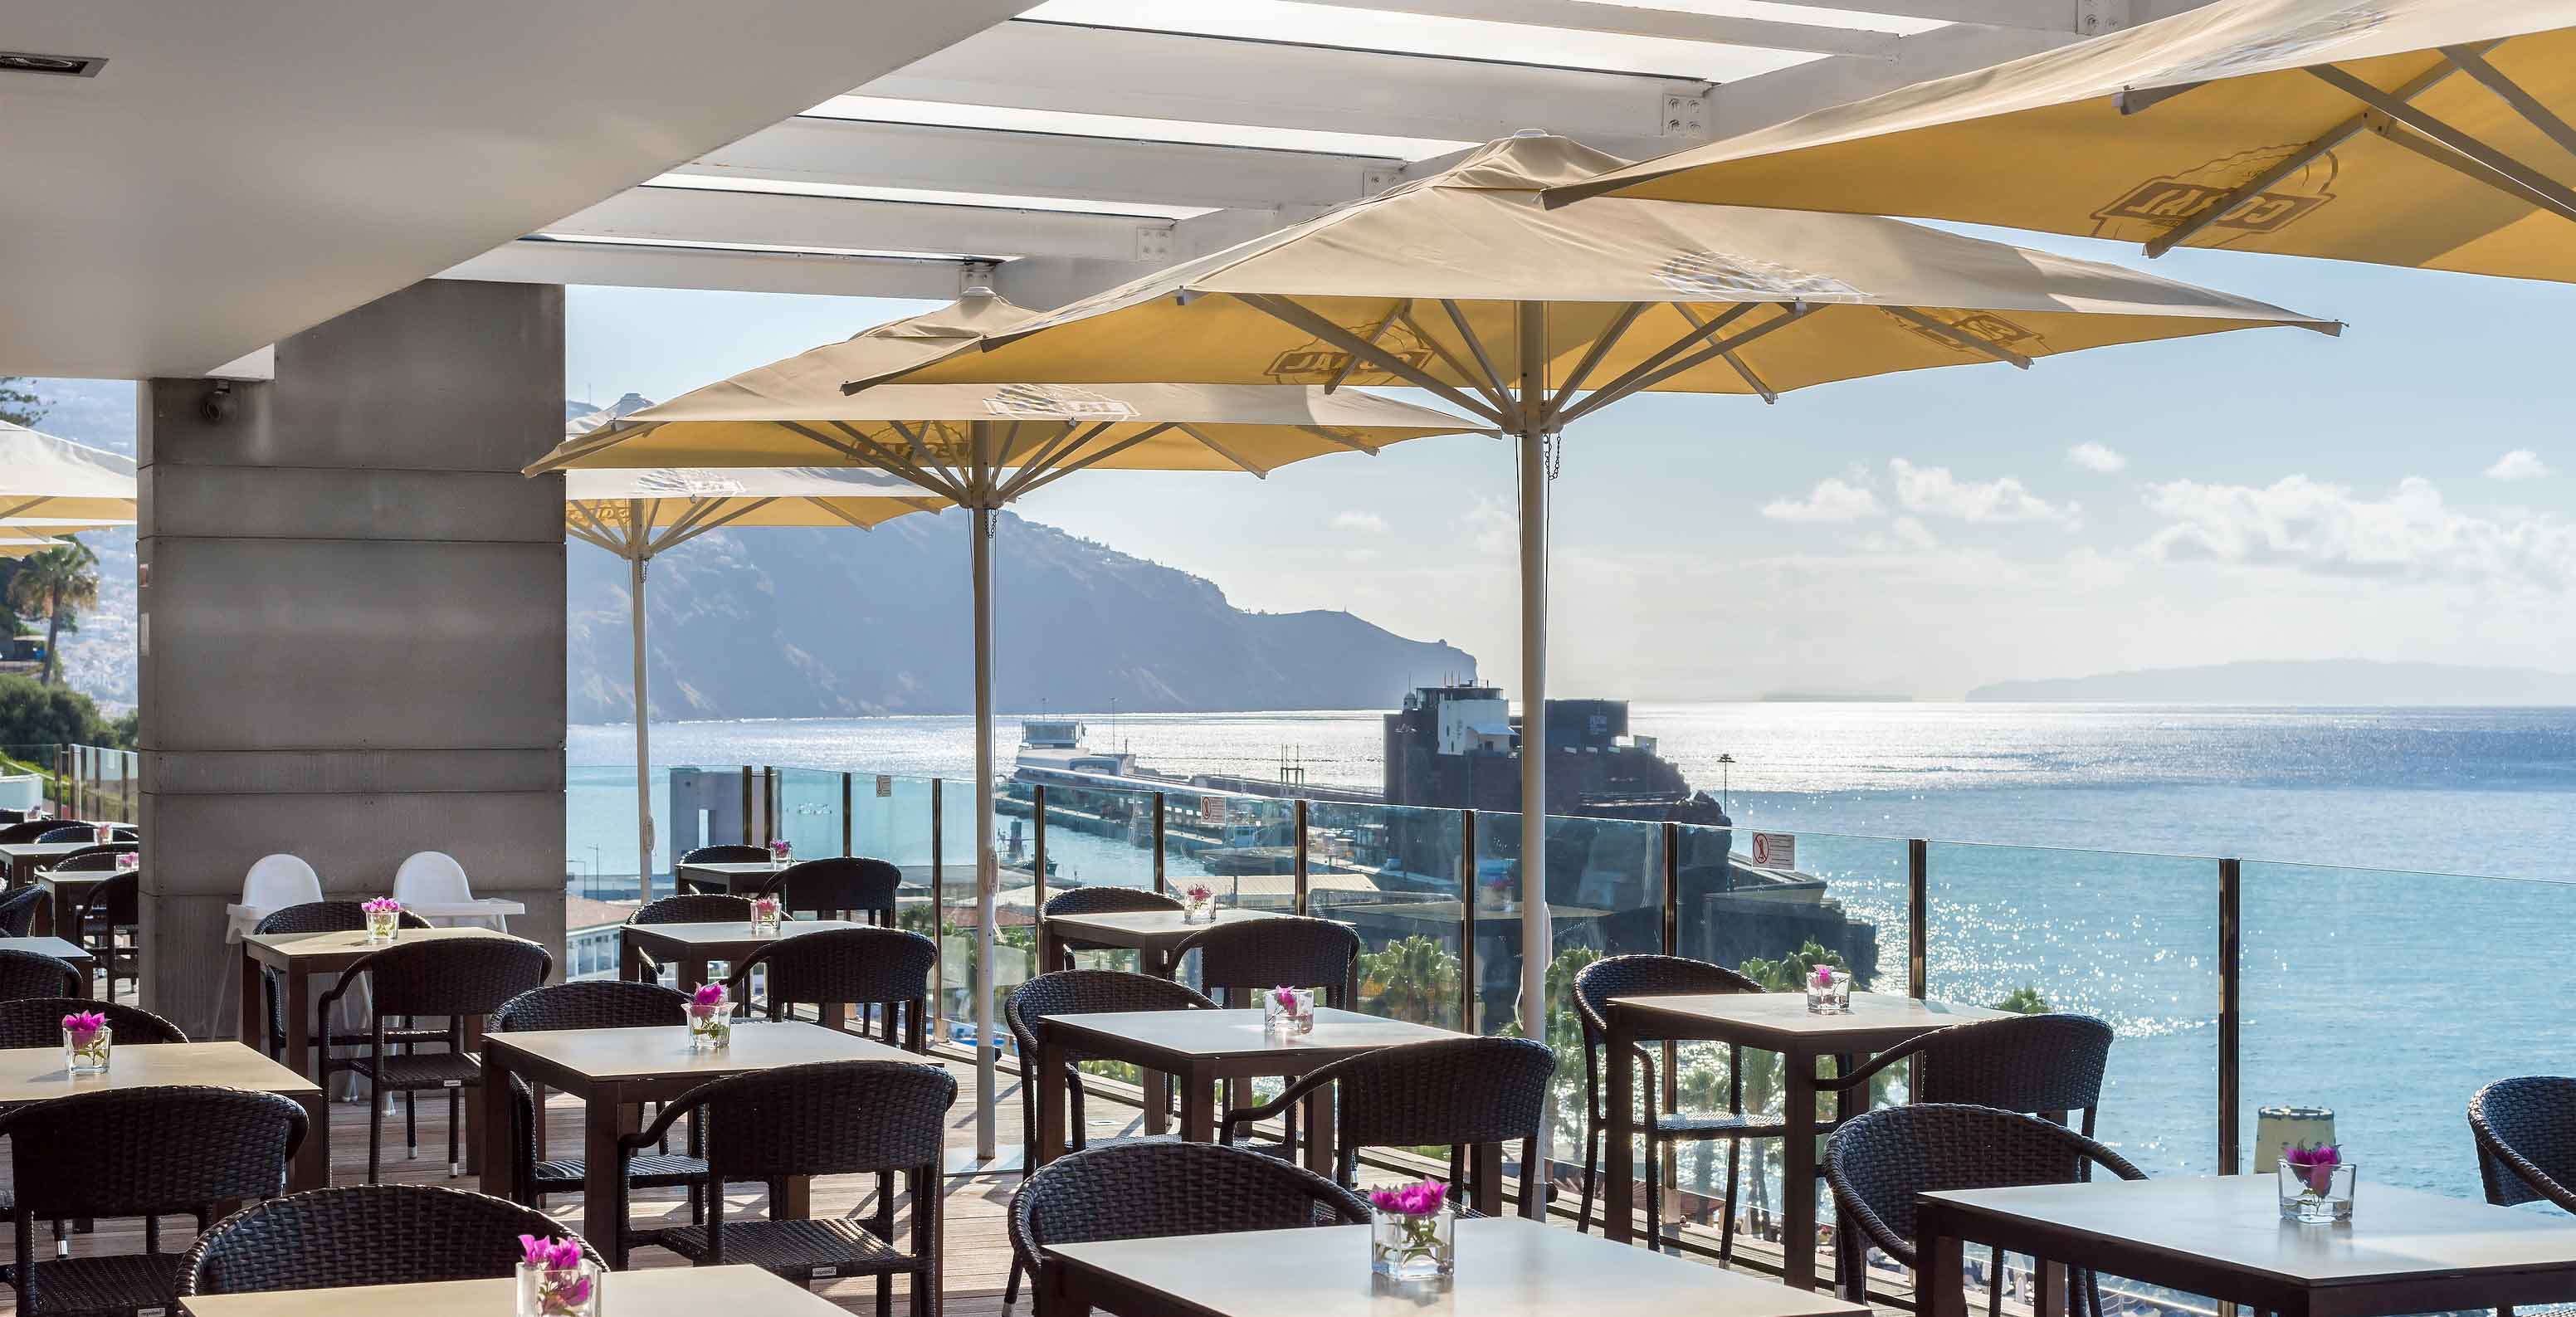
(434, 878)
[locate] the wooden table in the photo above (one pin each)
(616, 1071)
(1151, 934)
(64, 893)
(23, 858)
(693, 946)
(71, 954)
(32, 1074)
(739, 877)
(1199, 1048)
(1770, 1022)
(2404, 1251)
(297, 957)
(1507, 1267)
(662, 1292)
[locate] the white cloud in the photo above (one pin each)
(2327, 530)
(1934, 491)
(1493, 527)
(1366, 523)
(2520, 464)
(1833, 499)
(2096, 457)
(1905, 534)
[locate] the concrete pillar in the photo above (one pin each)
(352, 631)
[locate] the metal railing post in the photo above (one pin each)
(1037, 813)
(938, 901)
(769, 788)
(1162, 886)
(748, 822)
(2230, 1017)
(1672, 1084)
(1918, 917)
(1467, 994)
(1297, 813)
(849, 817)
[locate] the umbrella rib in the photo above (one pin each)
(1345, 441)
(826, 505)
(1627, 383)
(23, 509)
(585, 535)
(1475, 345)
(2471, 60)
(603, 536)
(2395, 135)
(1351, 360)
(869, 451)
(1963, 338)
(2534, 186)
(920, 453)
(688, 529)
(1068, 442)
(1487, 386)
(1069, 468)
(1221, 450)
(699, 510)
(1296, 316)
(1592, 357)
(1755, 381)
(2290, 164)
(1793, 313)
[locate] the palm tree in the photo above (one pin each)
(1413, 979)
(55, 584)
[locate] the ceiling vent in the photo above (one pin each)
(60, 66)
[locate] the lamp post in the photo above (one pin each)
(1725, 780)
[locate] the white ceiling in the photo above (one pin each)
(240, 169)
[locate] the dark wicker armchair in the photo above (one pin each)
(94, 859)
(1076, 992)
(368, 1234)
(319, 917)
(1097, 901)
(57, 833)
(25, 974)
(796, 1120)
(689, 908)
(1239, 960)
(1878, 1161)
(2045, 1065)
(452, 979)
(727, 853)
(2525, 1131)
(1142, 1190)
(598, 1004)
(885, 968)
(1456, 1093)
(1595, 985)
(18, 910)
(111, 928)
(839, 886)
(38, 1022)
(147, 1152)
(25, 831)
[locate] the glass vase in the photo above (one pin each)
(381, 925)
(2317, 1195)
(558, 1291)
(764, 923)
(710, 1028)
(88, 1056)
(1294, 1015)
(1403, 1247)
(1832, 998)
(1196, 910)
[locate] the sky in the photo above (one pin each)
(2402, 492)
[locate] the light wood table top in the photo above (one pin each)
(68, 952)
(721, 935)
(1233, 1035)
(1142, 928)
(1781, 1022)
(660, 1292)
(322, 952)
(663, 1051)
(44, 850)
(32, 1074)
(1506, 1268)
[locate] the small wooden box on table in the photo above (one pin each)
(33, 1074)
(1769, 1022)
(616, 1071)
(1506, 1268)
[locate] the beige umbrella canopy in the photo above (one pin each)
(63, 484)
(638, 514)
(981, 446)
(1463, 284)
(2428, 133)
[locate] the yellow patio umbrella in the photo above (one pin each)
(61, 483)
(2429, 133)
(1462, 284)
(982, 446)
(638, 514)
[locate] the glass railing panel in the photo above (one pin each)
(1015, 910)
(599, 833)
(1393, 874)
(2389, 999)
(809, 812)
(1100, 837)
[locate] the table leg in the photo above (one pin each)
(1798, 1173)
(1319, 1130)
(1941, 1274)
(603, 1122)
(630, 960)
(466, 1108)
(1050, 1099)
(1619, 1155)
(498, 1170)
(311, 1168)
(298, 1010)
(250, 1023)
(797, 1203)
(1485, 1173)
(1198, 1106)
(2048, 1281)
(832, 1015)
(1158, 1102)
(693, 971)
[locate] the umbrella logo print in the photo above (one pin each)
(2156, 206)
(1984, 325)
(688, 482)
(1318, 362)
(1726, 275)
(1055, 402)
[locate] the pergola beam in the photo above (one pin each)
(1637, 21)
(773, 220)
(536, 261)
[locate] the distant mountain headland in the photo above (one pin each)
(2324, 682)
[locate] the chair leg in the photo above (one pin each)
(375, 1132)
(1011, 1287)
(1726, 1225)
(1654, 1199)
(411, 1125)
(1591, 1177)
(455, 1119)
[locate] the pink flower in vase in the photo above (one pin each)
(708, 999)
(382, 905)
(551, 1254)
(780, 849)
(1421, 1199)
(82, 1027)
(2316, 1165)
(1199, 893)
(1824, 976)
(1286, 997)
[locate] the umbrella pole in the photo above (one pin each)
(643, 733)
(1537, 943)
(987, 875)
